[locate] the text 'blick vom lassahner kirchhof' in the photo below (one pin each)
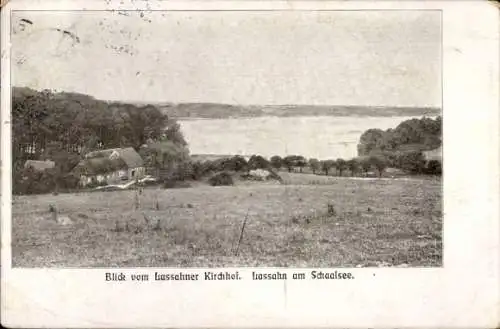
(228, 276)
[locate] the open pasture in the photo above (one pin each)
(374, 223)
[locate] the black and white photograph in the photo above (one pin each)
(226, 138)
(249, 164)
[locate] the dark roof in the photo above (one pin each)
(102, 161)
(128, 154)
(131, 157)
(96, 166)
(39, 165)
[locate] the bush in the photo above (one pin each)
(205, 168)
(172, 183)
(412, 162)
(29, 181)
(68, 181)
(183, 171)
(95, 184)
(276, 162)
(247, 176)
(221, 179)
(434, 167)
(258, 162)
(379, 162)
(235, 163)
(197, 170)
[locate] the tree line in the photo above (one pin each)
(399, 148)
(410, 135)
(412, 163)
(402, 147)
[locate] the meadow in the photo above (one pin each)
(374, 222)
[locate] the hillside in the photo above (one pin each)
(221, 111)
(44, 121)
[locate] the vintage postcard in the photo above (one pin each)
(250, 164)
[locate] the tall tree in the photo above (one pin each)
(165, 157)
(370, 140)
(327, 165)
(64, 160)
(292, 161)
(314, 165)
(276, 162)
(258, 162)
(235, 163)
(353, 166)
(379, 162)
(139, 124)
(173, 132)
(413, 162)
(341, 166)
(365, 164)
(300, 162)
(289, 162)
(410, 135)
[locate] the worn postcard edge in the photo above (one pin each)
(465, 292)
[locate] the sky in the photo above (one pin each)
(369, 58)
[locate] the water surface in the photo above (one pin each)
(319, 137)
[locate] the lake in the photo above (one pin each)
(322, 137)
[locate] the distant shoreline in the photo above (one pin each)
(293, 115)
(207, 110)
(200, 111)
(197, 111)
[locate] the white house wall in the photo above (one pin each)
(114, 177)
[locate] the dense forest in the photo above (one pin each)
(414, 135)
(403, 146)
(77, 123)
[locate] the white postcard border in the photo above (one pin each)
(465, 292)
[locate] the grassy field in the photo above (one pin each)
(376, 223)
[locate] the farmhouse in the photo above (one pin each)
(110, 166)
(39, 165)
